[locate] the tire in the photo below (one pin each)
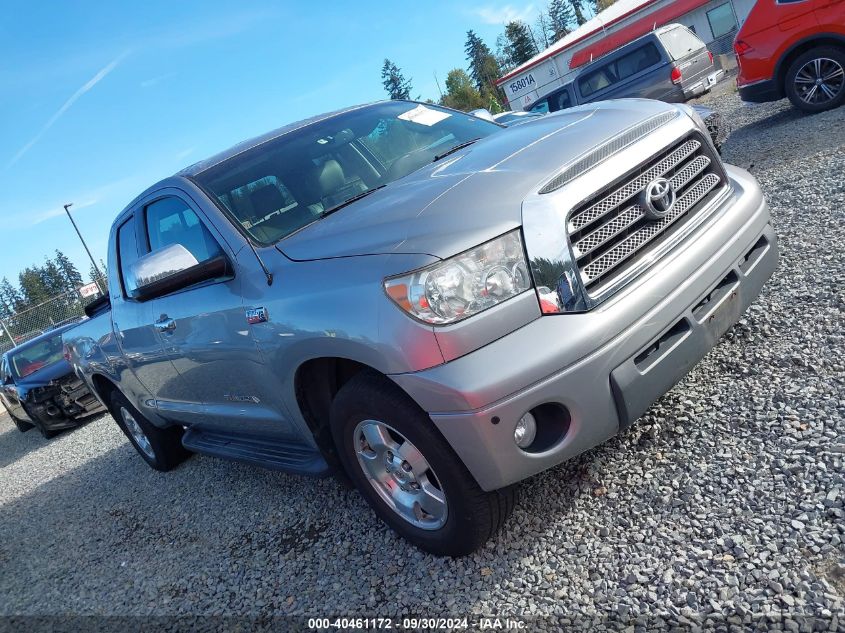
(821, 62)
(22, 425)
(46, 433)
(161, 448)
(457, 517)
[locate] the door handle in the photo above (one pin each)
(165, 324)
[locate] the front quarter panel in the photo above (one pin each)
(334, 308)
(338, 307)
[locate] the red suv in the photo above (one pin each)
(795, 49)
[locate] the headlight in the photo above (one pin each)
(465, 284)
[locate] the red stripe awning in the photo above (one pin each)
(664, 15)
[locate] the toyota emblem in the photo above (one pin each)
(658, 199)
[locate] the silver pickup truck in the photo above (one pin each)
(430, 303)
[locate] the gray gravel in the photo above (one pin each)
(723, 505)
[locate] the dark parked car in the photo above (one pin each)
(669, 64)
(39, 389)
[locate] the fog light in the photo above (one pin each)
(525, 431)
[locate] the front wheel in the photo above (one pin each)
(21, 425)
(46, 433)
(161, 448)
(815, 81)
(408, 473)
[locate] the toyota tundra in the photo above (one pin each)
(427, 302)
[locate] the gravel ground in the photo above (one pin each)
(724, 504)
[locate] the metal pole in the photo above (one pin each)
(9, 334)
(93, 263)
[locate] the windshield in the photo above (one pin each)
(280, 186)
(30, 359)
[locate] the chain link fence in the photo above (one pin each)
(723, 45)
(34, 320)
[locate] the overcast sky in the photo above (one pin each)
(99, 100)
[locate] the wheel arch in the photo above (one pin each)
(316, 383)
(802, 46)
(103, 388)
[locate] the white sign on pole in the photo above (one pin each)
(89, 290)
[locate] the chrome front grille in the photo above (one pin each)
(610, 232)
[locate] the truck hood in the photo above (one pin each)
(476, 194)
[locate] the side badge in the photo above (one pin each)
(256, 315)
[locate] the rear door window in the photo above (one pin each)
(680, 42)
(561, 101)
(596, 80)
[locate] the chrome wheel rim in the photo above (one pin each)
(819, 81)
(137, 433)
(400, 475)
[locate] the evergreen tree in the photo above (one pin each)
(10, 296)
(32, 286)
(601, 5)
(394, 81)
(578, 9)
(561, 18)
(519, 47)
(97, 276)
(69, 272)
(461, 94)
(52, 279)
(483, 67)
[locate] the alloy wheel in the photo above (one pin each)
(819, 81)
(400, 475)
(137, 433)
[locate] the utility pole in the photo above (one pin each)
(93, 263)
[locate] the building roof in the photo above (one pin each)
(614, 13)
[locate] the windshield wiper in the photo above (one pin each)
(349, 201)
(454, 149)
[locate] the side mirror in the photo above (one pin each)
(482, 113)
(172, 268)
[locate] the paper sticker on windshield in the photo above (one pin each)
(424, 116)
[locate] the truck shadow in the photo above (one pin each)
(188, 540)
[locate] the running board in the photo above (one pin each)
(276, 454)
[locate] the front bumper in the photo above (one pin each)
(63, 406)
(645, 340)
